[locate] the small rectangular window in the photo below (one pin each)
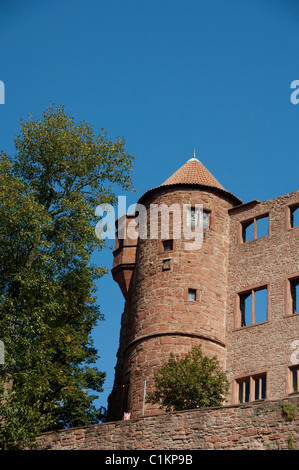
(253, 306)
(191, 294)
(194, 213)
(192, 219)
(167, 245)
(166, 264)
(257, 227)
(294, 379)
(294, 291)
(206, 220)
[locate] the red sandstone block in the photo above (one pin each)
(214, 439)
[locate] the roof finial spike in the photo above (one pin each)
(193, 158)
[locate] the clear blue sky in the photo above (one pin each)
(169, 76)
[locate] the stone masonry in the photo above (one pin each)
(254, 426)
(238, 264)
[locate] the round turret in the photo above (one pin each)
(179, 282)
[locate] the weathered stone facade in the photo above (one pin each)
(226, 272)
(265, 347)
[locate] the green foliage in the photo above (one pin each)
(48, 194)
(289, 410)
(291, 443)
(193, 381)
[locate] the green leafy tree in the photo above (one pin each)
(189, 382)
(49, 189)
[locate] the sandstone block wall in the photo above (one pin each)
(255, 426)
(264, 347)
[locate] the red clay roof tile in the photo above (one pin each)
(193, 172)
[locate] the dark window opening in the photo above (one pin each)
(253, 306)
(168, 245)
(260, 388)
(166, 264)
(244, 388)
(294, 286)
(295, 379)
(191, 294)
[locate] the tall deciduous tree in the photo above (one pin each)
(49, 190)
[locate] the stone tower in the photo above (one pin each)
(175, 293)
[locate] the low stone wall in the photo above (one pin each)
(255, 426)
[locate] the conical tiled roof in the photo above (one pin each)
(193, 173)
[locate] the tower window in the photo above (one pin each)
(192, 219)
(206, 220)
(255, 228)
(166, 264)
(191, 294)
(253, 306)
(168, 245)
